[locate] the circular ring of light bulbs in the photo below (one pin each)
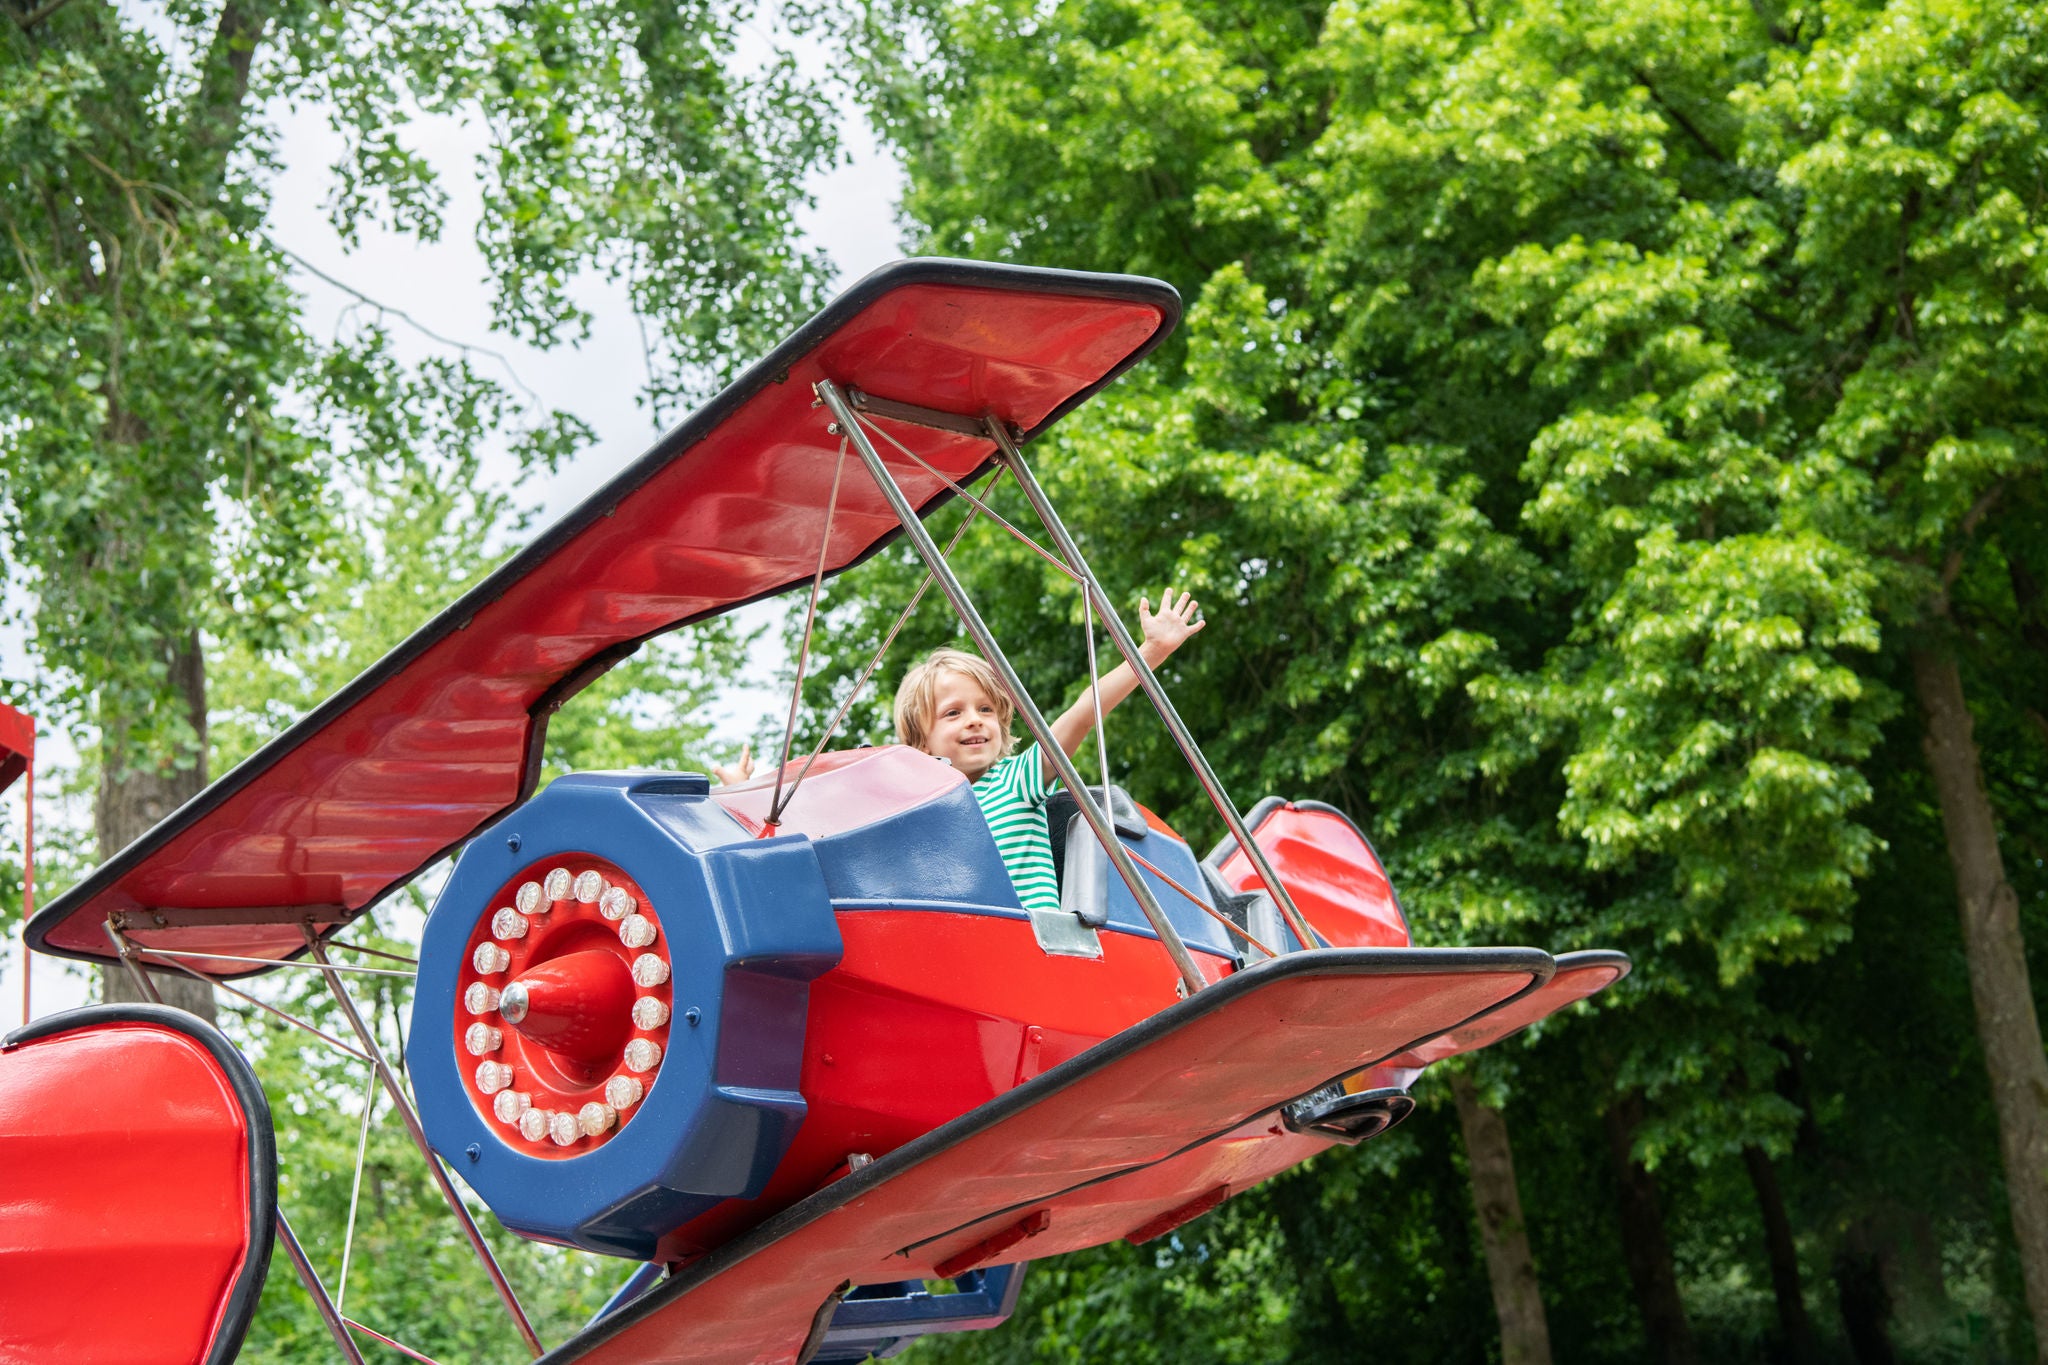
(570, 904)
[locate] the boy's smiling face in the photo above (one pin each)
(965, 729)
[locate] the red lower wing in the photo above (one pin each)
(1153, 1127)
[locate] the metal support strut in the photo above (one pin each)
(330, 1315)
(1042, 505)
(419, 1138)
(1098, 819)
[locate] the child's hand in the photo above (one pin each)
(739, 772)
(1170, 628)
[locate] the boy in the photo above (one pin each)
(953, 707)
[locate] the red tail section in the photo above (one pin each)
(1329, 867)
(140, 1191)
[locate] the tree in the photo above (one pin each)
(1517, 1301)
(1503, 421)
(1917, 249)
(169, 433)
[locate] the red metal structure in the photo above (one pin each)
(18, 761)
(786, 1040)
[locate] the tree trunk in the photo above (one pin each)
(1642, 1241)
(2007, 1025)
(1517, 1299)
(1865, 1302)
(1793, 1324)
(1914, 1277)
(219, 113)
(133, 799)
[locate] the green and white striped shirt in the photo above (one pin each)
(1012, 796)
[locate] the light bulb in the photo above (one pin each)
(650, 970)
(511, 1104)
(489, 959)
(482, 1040)
(529, 900)
(557, 884)
(563, 1128)
(649, 1013)
(533, 1124)
(616, 903)
(636, 931)
(491, 1077)
(589, 886)
(480, 998)
(623, 1092)
(594, 1118)
(643, 1054)
(508, 924)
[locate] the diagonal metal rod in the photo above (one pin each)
(397, 1346)
(419, 1137)
(1190, 750)
(997, 517)
(861, 682)
(355, 1189)
(317, 1291)
(269, 962)
(803, 649)
(1098, 819)
(373, 952)
(291, 1019)
(1204, 906)
(1095, 689)
(125, 950)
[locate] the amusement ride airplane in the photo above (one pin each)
(793, 1047)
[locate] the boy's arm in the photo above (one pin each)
(1161, 635)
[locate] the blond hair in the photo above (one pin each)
(917, 697)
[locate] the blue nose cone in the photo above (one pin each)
(745, 925)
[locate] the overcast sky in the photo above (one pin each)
(442, 287)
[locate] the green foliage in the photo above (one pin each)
(185, 471)
(170, 436)
(1580, 410)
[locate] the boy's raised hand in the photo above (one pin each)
(734, 774)
(1168, 629)
(1164, 631)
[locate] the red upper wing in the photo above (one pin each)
(443, 735)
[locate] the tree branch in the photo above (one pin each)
(224, 85)
(1953, 565)
(317, 273)
(1779, 33)
(25, 22)
(1643, 79)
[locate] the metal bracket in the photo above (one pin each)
(1061, 933)
(960, 424)
(190, 917)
